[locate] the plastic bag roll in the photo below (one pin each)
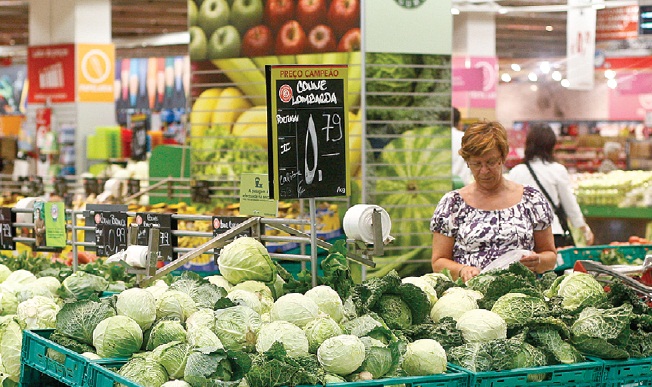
(25, 203)
(357, 223)
(137, 256)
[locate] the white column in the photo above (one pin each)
(74, 21)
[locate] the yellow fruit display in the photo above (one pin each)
(355, 142)
(202, 111)
(251, 126)
(230, 105)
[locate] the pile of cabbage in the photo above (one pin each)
(31, 302)
(251, 326)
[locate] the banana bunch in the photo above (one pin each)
(217, 108)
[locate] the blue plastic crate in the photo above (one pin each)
(69, 368)
(628, 373)
(585, 374)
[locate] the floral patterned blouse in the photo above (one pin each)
(484, 235)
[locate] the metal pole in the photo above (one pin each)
(313, 241)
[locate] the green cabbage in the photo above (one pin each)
(8, 302)
(145, 371)
(424, 357)
(219, 281)
(157, 289)
(250, 299)
(481, 325)
(517, 308)
(328, 301)
(4, 272)
(395, 311)
(165, 331)
(200, 337)
(173, 356)
(38, 313)
(292, 338)
(81, 285)
(11, 338)
(79, 319)
(454, 303)
(424, 285)
(246, 259)
(319, 330)
(237, 327)
(139, 304)
(117, 336)
(577, 289)
(341, 354)
(380, 359)
(174, 304)
(295, 308)
(202, 318)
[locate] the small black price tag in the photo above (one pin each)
(7, 232)
(110, 232)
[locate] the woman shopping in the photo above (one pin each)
(540, 170)
(491, 217)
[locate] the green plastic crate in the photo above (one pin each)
(35, 360)
(454, 377)
(102, 373)
(585, 374)
(566, 258)
(628, 373)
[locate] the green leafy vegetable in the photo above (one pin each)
(78, 319)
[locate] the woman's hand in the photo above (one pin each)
(468, 272)
(588, 235)
(531, 261)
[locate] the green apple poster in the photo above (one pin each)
(55, 224)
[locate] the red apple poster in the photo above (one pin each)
(51, 73)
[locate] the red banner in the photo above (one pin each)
(51, 73)
(617, 23)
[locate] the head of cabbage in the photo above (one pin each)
(139, 304)
(295, 308)
(292, 338)
(320, 329)
(237, 327)
(424, 357)
(481, 325)
(246, 259)
(328, 301)
(341, 354)
(117, 336)
(453, 303)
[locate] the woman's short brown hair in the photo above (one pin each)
(483, 136)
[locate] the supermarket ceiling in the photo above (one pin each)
(524, 28)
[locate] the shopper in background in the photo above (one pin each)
(552, 178)
(459, 168)
(611, 152)
(492, 216)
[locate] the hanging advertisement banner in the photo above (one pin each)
(417, 26)
(580, 44)
(619, 23)
(483, 95)
(51, 73)
(95, 72)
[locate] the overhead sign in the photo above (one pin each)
(95, 72)
(618, 23)
(580, 44)
(308, 131)
(51, 73)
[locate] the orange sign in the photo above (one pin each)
(95, 72)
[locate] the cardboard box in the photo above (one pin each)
(8, 148)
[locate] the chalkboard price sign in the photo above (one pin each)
(110, 232)
(138, 125)
(7, 233)
(308, 131)
(165, 224)
(222, 224)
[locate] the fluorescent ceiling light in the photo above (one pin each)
(556, 76)
(505, 77)
(532, 77)
(516, 67)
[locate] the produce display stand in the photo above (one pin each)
(585, 374)
(567, 257)
(612, 223)
(41, 357)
